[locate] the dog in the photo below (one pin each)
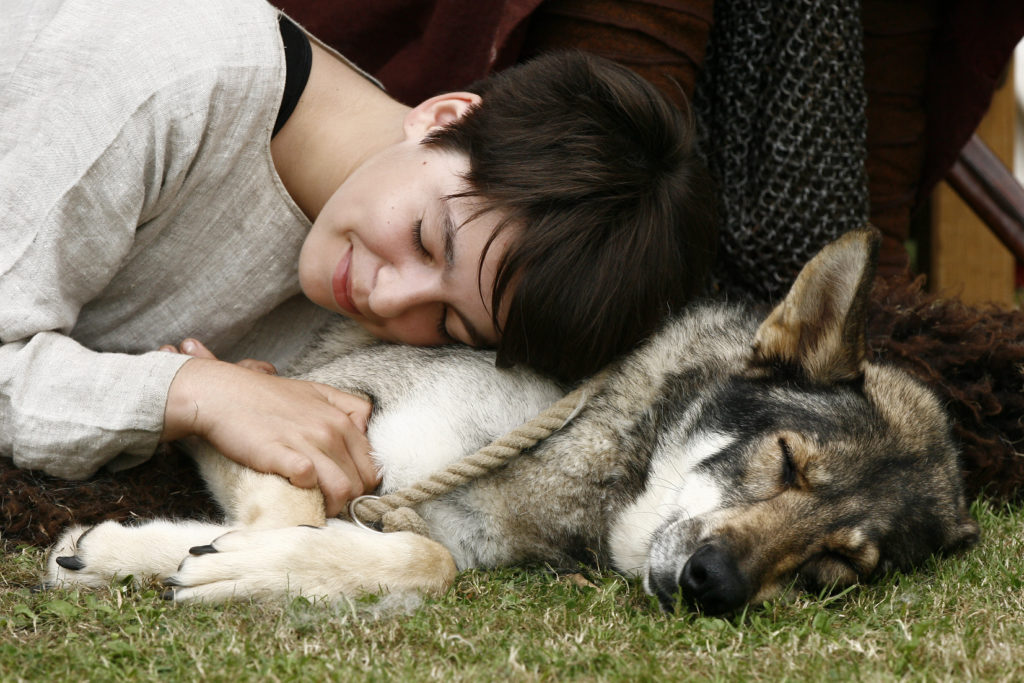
(728, 459)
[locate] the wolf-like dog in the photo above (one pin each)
(728, 458)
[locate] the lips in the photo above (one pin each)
(341, 285)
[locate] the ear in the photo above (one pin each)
(820, 325)
(437, 112)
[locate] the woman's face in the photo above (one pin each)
(392, 252)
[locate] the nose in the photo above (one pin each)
(398, 291)
(710, 580)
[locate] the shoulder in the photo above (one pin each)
(91, 67)
(128, 48)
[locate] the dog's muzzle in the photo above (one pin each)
(710, 580)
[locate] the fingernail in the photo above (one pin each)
(188, 346)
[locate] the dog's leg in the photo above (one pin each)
(256, 500)
(338, 560)
(94, 556)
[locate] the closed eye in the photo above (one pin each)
(417, 239)
(421, 249)
(442, 328)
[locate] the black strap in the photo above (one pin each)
(298, 58)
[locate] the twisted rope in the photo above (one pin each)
(394, 511)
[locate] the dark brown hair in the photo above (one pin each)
(612, 208)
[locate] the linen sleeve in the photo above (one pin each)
(65, 409)
(77, 176)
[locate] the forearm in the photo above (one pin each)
(67, 410)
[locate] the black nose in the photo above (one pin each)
(711, 580)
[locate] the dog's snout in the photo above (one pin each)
(712, 581)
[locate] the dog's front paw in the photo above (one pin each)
(335, 561)
(245, 564)
(94, 557)
(69, 562)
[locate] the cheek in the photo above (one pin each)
(317, 260)
(415, 328)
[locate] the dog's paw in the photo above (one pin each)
(337, 561)
(247, 564)
(69, 563)
(96, 556)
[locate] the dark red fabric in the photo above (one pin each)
(930, 68)
(974, 40)
(419, 48)
(662, 40)
(897, 41)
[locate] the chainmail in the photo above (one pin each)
(780, 112)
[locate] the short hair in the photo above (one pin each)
(614, 212)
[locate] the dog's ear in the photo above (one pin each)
(820, 327)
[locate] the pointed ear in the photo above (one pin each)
(436, 112)
(820, 326)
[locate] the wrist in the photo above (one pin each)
(181, 411)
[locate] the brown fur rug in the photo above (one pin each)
(974, 358)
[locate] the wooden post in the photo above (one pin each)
(966, 258)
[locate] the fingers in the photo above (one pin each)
(339, 481)
(310, 433)
(295, 467)
(195, 348)
(357, 409)
(190, 347)
(358, 448)
(259, 366)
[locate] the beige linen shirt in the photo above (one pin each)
(139, 205)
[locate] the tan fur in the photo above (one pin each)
(254, 500)
(820, 324)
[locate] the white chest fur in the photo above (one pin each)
(673, 488)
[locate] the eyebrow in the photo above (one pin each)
(448, 230)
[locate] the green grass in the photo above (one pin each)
(958, 618)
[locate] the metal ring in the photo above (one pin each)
(352, 511)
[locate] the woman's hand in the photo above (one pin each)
(309, 433)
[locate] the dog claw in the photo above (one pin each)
(72, 562)
(202, 550)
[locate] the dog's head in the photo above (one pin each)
(813, 466)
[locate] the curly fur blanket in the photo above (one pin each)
(974, 358)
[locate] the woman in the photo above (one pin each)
(205, 171)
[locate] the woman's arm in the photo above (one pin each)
(309, 433)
